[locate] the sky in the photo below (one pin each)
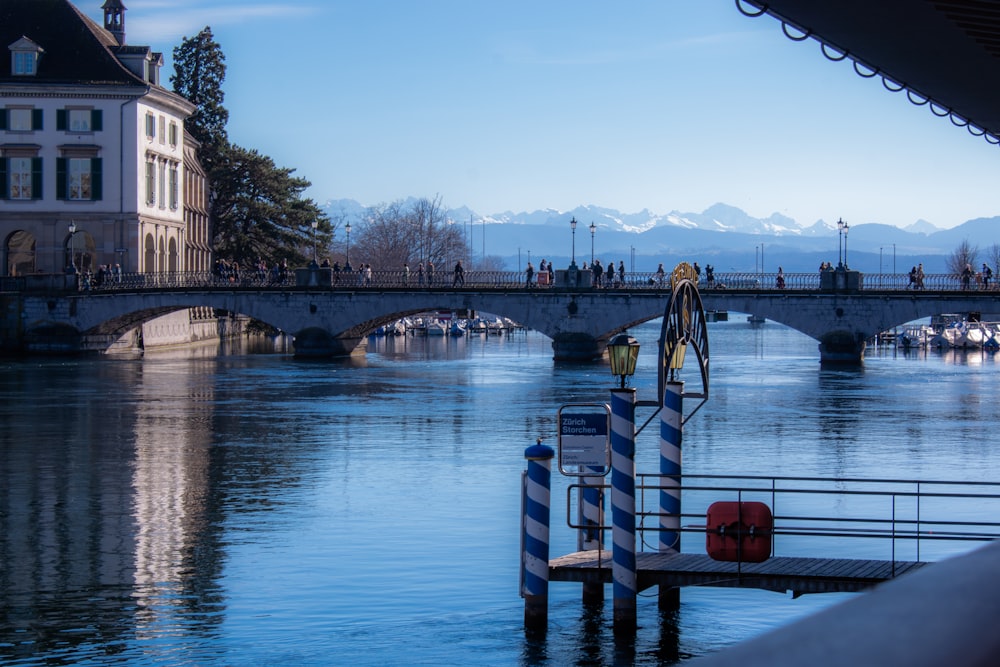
(665, 105)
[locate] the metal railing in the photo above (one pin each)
(733, 282)
(829, 517)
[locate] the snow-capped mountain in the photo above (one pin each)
(722, 235)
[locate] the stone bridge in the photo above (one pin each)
(327, 322)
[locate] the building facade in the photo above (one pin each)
(95, 166)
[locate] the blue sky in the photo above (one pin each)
(524, 105)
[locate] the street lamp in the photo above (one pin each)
(347, 228)
(572, 225)
(315, 226)
(72, 246)
(593, 228)
(842, 228)
(623, 352)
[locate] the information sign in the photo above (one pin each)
(584, 442)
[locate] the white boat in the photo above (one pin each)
(915, 337)
(435, 328)
(457, 329)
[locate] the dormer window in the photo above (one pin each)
(24, 57)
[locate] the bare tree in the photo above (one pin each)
(399, 233)
(993, 258)
(962, 255)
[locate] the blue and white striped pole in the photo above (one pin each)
(671, 420)
(535, 513)
(591, 537)
(623, 570)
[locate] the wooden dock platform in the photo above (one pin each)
(778, 573)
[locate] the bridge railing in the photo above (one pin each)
(505, 280)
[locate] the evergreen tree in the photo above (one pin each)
(199, 71)
(256, 209)
(260, 211)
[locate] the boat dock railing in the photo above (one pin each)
(919, 520)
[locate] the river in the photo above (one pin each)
(244, 508)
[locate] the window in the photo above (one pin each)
(173, 134)
(150, 126)
(25, 63)
(19, 173)
(78, 120)
(78, 178)
(20, 119)
(163, 184)
(174, 187)
(163, 132)
(150, 183)
(24, 55)
(21, 178)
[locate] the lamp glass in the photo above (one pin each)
(623, 352)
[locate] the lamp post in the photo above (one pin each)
(347, 228)
(846, 229)
(72, 246)
(572, 226)
(842, 228)
(623, 351)
(315, 226)
(593, 228)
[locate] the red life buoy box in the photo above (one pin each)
(739, 531)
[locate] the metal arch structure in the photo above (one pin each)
(684, 327)
(944, 53)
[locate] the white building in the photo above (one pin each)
(91, 141)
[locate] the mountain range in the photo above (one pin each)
(722, 235)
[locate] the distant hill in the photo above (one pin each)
(722, 235)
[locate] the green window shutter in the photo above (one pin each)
(96, 120)
(36, 119)
(4, 192)
(36, 178)
(61, 120)
(61, 179)
(96, 179)
(3, 119)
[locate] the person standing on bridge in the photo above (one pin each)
(406, 274)
(621, 272)
(780, 280)
(920, 276)
(966, 276)
(529, 273)
(430, 273)
(420, 274)
(661, 275)
(459, 279)
(987, 275)
(610, 280)
(598, 271)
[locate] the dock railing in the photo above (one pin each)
(889, 519)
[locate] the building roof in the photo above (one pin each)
(76, 49)
(945, 53)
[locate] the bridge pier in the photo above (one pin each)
(840, 348)
(577, 347)
(316, 343)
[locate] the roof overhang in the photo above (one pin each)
(944, 53)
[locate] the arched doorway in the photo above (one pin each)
(19, 254)
(149, 255)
